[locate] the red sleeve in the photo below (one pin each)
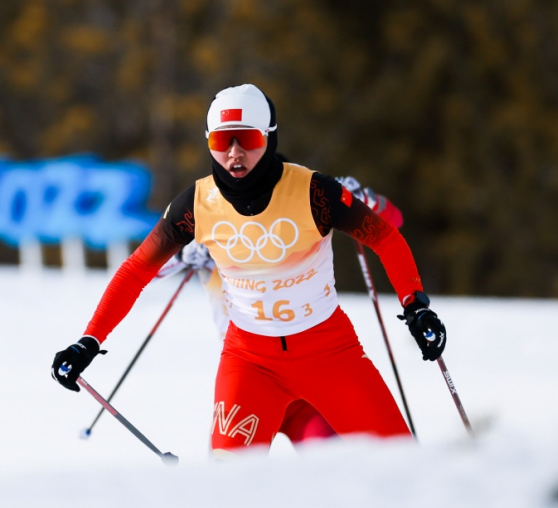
(394, 253)
(331, 208)
(128, 282)
(174, 230)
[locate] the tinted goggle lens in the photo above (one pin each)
(248, 139)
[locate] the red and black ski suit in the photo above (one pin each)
(261, 374)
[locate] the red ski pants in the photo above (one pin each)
(259, 376)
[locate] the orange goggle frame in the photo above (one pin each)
(248, 139)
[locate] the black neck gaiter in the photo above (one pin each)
(251, 194)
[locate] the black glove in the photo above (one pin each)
(425, 327)
(70, 363)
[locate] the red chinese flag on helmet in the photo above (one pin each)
(231, 115)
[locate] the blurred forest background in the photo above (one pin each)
(449, 108)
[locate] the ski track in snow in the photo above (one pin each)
(502, 355)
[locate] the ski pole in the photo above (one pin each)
(373, 296)
(455, 396)
(168, 458)
(187, 277)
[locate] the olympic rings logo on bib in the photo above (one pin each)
(253, 238)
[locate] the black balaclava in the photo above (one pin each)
(251, 194)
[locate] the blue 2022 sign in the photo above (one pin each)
(77, 196)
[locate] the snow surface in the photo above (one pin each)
(502, 355)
